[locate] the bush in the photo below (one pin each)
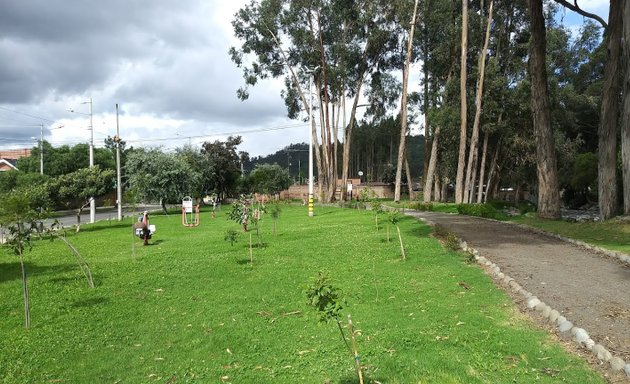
(421, 206)
(480, 210)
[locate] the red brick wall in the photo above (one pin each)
(14, 153)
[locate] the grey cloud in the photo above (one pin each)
(166, 58)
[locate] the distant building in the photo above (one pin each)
(9, 157)
(7, 164)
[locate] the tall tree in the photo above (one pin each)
(608, 126)
(344, 40)
(625, 134)
(546, 164)
(474, 140)
(403, 106)
(609, 114)
(463, 133)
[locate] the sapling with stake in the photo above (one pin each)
(377, 209)
(394, 218)
(328, 301)
(274, 211)
(231, 236)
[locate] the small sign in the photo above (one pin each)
(360, 173)
(187, 204)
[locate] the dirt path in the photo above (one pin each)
(587, 288)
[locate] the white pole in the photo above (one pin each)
(92, 202)
(310, 145)
(41, 150)
(118, 186)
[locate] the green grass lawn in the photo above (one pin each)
(192, 308)
(611, 234)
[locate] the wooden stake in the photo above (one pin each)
(133, 241)
(251, 255)
(402, 249)
(357, 361)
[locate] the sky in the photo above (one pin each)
(165, 62)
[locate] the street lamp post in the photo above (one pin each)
(310, 145)
(118, 186)
(91, 128)
(41, 149)
(92, 202)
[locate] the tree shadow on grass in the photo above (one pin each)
(91, 302)
(12, 270)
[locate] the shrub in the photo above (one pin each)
(421, 206)
(480, 210)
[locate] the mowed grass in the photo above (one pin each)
(192, 308)
(611, 234)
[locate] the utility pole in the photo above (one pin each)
(118, 184)
(41, 149)
(310, 145)
(92, 202)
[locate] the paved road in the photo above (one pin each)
(69, 218)
(587, 288)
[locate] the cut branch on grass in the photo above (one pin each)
(85, 268)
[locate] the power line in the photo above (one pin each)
(182, 137)
(27, 114)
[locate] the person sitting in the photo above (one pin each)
(142, 227)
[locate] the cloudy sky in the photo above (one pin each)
(164, 61)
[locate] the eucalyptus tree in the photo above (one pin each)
(461, 160)
(343, 41)
(403, 106)
(625, 134)
(608, 125)
(439, 42)
(548, 191)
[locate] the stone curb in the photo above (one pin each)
(562, 325)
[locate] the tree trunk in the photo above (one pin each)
(347, 137)
(437, 189)
(608, 125)
(409, 181)
(432, 164)
(461, 162)
(403, 106)
(482, 168)
(491, 175)
(444, 190)
(474, 140)
(548, 193)
(625, 134)
(27, 310)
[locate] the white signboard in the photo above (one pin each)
(187, 204)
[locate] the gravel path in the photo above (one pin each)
(590, 290)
